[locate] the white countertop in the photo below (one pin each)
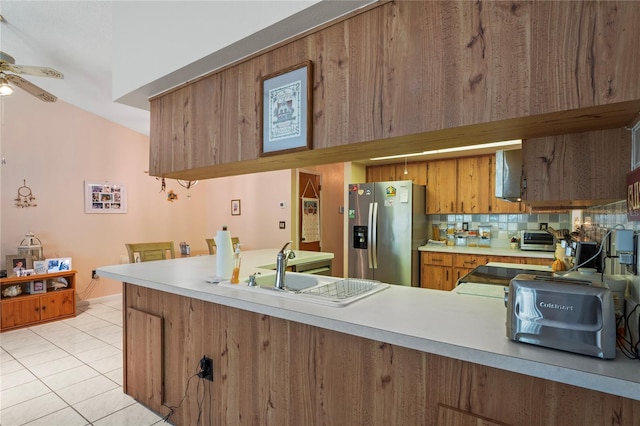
(459, 326)
(489, 251)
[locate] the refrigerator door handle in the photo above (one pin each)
(374, 225)
(369, 235)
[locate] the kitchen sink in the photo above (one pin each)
(318, 289)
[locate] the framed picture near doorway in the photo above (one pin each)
(286, 110)
(235, 208)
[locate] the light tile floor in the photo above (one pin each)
(69, 372)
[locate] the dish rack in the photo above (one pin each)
(343, 289)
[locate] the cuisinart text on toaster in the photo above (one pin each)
(556, 306)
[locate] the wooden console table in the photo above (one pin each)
(29, 308)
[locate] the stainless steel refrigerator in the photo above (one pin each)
(387, 224)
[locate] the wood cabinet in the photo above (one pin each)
(442, 186)
(465, 263)
(381, 88)
(437, 271)
(460, 185)
(272, 371)
(416, 172)
(576, 170)
(442, 270)
(28, 309)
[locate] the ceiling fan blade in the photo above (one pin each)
(31, 88)
(31, 70)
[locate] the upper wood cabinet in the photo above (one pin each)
(406, 76)
(416, 172)
(442, 186)
(576, 170)
(459, 185)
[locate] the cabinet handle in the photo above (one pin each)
(452, 206)
(461, 205)
(436, 260)
(447, 274)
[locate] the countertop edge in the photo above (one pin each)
(530, 367)
(489, 251)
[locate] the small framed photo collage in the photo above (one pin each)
(105, 197)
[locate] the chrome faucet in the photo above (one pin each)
(281, 265)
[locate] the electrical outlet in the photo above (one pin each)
(206, 368)
(94, 275)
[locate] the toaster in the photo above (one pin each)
(568, 315)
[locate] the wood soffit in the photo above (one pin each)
(602, 117)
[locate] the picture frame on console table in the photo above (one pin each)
(37, 286)
(18, 263)
(287, 110)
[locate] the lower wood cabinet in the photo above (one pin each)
(32, 308)
(271, 371)
(437, 271)
(441, 270)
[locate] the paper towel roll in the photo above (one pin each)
(224, 254)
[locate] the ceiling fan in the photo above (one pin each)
(7, 65)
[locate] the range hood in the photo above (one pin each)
(509, 174)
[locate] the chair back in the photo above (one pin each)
(146, 252)
(211, 243)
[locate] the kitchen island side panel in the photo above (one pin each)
(274, 371)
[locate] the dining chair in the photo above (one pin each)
(211, 243)
(145, 252)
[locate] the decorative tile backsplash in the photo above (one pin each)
(503, 226)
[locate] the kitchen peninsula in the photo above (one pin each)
(401, 356)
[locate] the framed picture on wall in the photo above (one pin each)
(235, 208)
(105, 197)
(286, 110)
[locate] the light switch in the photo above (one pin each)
(282, 224)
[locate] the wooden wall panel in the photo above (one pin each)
(144, 357)
(583, 54)
(274, 372)
(330, 86)
(590, 166)
(412, 68)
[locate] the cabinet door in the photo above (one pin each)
(56, 304)
(381, 173)
(437, 277)
(576, 169)
(24, 310)
(416, 172)
(469, 261)
(441, 186)
(474, 184)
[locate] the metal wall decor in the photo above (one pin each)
(25, 196)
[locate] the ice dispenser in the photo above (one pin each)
(360, 237)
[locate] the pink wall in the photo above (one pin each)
(57, 147)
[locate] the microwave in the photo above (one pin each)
(537, 240)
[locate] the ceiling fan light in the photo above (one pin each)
(5, 87)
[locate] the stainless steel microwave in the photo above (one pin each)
(537, 241)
